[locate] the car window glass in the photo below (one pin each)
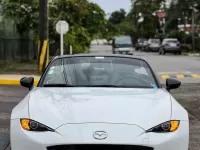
(55, 74)
(110, 71)
(123, 40)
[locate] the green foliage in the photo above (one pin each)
(85, 19)
(117, 17)
(109, 31)
(23, 14)
(150, 24)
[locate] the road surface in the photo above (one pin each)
(184, 68)
(188, 95)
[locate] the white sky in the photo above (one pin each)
(112, 5)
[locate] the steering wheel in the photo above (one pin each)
(137, 81)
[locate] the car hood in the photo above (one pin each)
(58, 106)
(155, 44)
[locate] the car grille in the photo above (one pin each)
(98, 147)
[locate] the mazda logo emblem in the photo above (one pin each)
(100, 135)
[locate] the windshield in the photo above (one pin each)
(172, 41)
(155, 41)
(100, 72)
(123, 40)
(142, 40)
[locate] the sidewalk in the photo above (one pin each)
(192, 54)
(6, 79)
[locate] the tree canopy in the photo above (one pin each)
(117, 16)
(86, 19)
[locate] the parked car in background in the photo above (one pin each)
(110, 42)
(123, 45)
(153, 45)
(140, 43)
(170, 45)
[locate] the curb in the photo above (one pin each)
(13, 82)
(192, 55)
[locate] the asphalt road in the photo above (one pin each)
(188, 95)
(169, 64)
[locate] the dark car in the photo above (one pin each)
(170, 46)
(122, 45)
(140, 45)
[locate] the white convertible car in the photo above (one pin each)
(98, 102)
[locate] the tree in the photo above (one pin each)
(24, 14)
(109, 31)
(85, 19)
(148, 27)
(94, 20)
(118, 16)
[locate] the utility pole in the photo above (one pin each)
(43, 35)
(193, 31)
(164, 19)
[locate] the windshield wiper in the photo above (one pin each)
(116, 86)
(57, 85)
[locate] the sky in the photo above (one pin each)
(111, 5)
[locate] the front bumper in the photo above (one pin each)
(118, 134)
(172, 49)
(124, 50)
(154, 48)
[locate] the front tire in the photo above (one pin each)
(162, 51)
(159, 52)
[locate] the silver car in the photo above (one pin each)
(123, 45)
(153, 45)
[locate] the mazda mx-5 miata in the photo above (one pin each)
(93, 102)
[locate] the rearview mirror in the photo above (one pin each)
(27, 82)
(172, 84)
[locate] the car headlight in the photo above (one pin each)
(169, 126)
(31, 125)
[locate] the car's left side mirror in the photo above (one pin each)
(27, 82)
(172, 84)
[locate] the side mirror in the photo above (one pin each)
(172, 84)
(27, 82)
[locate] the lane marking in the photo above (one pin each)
(195, 75)
(3, 130)
(11, 100)
(180, 76)
(5, 116)
(165, 76)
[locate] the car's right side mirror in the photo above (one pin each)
(172, 84)
(27, 82)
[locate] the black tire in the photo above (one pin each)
(162, 51)
(180, 53)
(159, 52)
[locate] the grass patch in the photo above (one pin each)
(22, 67)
